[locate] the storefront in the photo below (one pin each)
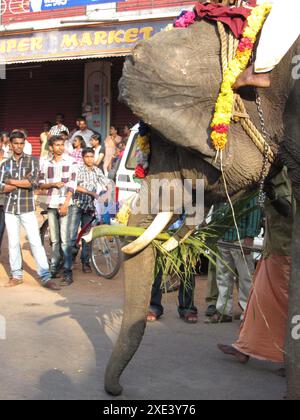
(74, 71)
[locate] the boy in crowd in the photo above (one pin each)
(90, 180)
(59, 177)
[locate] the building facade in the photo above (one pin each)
(69, 60)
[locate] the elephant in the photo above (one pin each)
(172, 82)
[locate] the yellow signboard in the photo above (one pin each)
(80, 42)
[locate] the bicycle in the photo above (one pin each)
(106, 254)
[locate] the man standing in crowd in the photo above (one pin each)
(186, 306)
(27, 145)
(264, 329)
(83, 131)
(6, 146)
(59, 176)
(187, 310)
(44, 140)
(18, 178)
(232, 261)
(59, 127)
(90, 180)
(76, 128)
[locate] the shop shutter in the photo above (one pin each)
(32, 94)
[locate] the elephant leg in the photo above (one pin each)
(139, 274)
(293, 330)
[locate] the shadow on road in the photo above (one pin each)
(100, 321)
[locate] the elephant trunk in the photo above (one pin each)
(139, 272)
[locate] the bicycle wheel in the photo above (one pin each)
(106, 256)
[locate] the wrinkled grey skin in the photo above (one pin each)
(172, 83)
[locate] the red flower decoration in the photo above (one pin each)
(140, 172)
(221, 128)
(245, 44)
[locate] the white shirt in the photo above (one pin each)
(279, 33)
(97, 153)
(86, 134)
(28, 148)
(56, 130)
(68, 147)
(7, 151)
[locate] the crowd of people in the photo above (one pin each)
(107, 152)
(73, 171)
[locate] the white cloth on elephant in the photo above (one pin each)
(279, 33)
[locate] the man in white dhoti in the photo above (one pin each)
(279, 33)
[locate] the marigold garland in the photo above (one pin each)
(223, 110)
(124, 214)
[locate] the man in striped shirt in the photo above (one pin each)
(59, 177)
(18, 178)
(57, 129)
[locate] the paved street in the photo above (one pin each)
(58, 345)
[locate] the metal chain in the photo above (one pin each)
(264, 172)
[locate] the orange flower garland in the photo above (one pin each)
(223, 111)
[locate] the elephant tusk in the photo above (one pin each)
(156, 227)
(173, 243)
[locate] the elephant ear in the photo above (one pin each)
(172, 82)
